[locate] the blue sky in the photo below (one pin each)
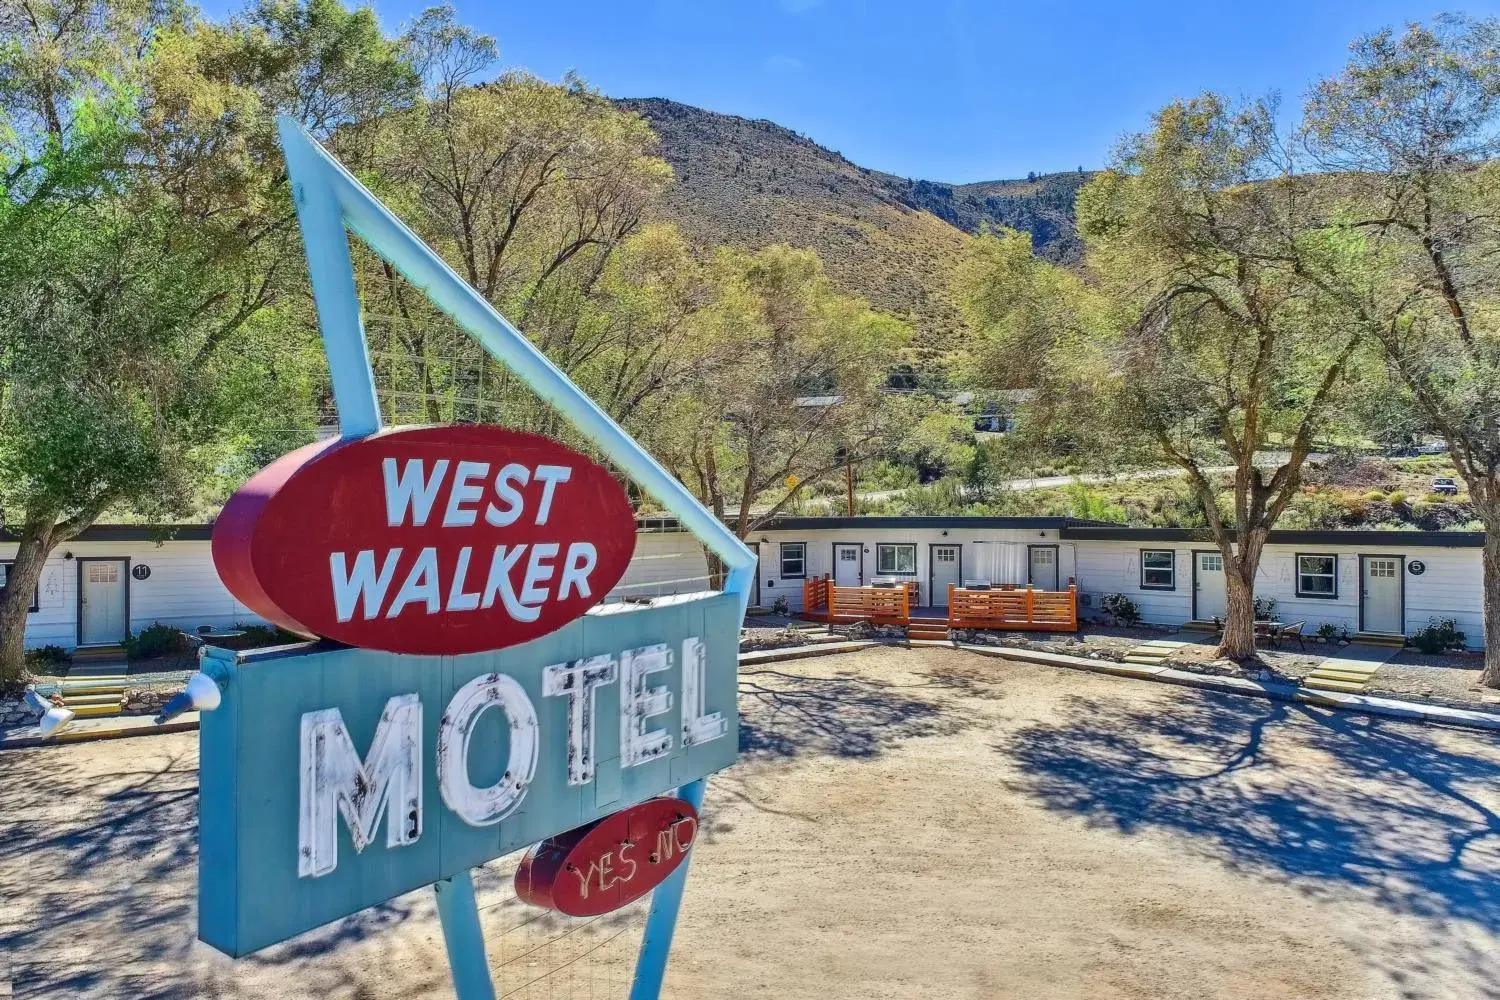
(951, 90)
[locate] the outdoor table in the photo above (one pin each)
(1268, 629)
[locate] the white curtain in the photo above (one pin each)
(998, 562)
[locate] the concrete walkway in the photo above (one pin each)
(1351, 671)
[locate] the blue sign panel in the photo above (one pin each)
(336, 778)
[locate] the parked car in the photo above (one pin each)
(1432, 448)
(1445, 485)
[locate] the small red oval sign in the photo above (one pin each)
(611, 862)
(429, 540)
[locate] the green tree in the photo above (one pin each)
(1196, 337)
(1411, 131)
(144, 229)
(789, 391)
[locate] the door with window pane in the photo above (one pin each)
(1380, 597)
(947, 568)
(848, 564)
(102, 600)
(1210, 592)
(1042, 573)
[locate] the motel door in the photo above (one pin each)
(1043, 572)
(1380, 597)
(1210, 592)
(848, 564)
(947, 567)
(101, 601)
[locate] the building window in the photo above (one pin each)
(896, 559)
(794, 560)
(1317, 576)
(35, 593)
(1158, 569)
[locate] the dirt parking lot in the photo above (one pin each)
(904, 823)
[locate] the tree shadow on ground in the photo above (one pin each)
(1399, 814)
(787, 714)
(98, 873)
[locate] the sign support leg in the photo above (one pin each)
(661, 922)
(459, 915)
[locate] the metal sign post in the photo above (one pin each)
(484, 700)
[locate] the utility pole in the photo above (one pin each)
(849, 480)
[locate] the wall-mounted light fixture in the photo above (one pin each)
(945, 533)
(67, 555)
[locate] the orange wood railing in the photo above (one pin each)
(823, 600)
(1022, 610)
(880, 605)
(815, 595)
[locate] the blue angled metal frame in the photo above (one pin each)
(330, 201)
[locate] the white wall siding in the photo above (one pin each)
(995, 554)
(183, 589)
(1450, 587)
(665, 562)
(1114, 567)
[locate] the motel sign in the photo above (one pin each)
(464, 693)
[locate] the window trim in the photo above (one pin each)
(896, 545)
(1172, 553)
(1297, 558)
(36, 592)
(781, 554)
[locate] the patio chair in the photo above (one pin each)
(1293, 631)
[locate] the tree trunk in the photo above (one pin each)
(15, 600)
(716, 569)
(1238, 642)
(1491, 677)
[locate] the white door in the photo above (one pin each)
(1380, 594)
(1210, 592)
(1044, 567)
(101, 602)
(848, 564)
(947, 566)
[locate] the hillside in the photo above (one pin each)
(892, 240)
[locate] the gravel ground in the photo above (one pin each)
(1448, 679)
(903, 823)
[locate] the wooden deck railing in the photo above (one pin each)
(815, 595)
(1022, 610)
(823, 600)
(879, 605)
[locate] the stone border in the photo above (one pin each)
(1272, 690)
(140, 725)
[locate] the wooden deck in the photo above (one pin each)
(1019, 609)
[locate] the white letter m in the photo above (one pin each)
(335, 780)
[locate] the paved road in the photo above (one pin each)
(1268, 460)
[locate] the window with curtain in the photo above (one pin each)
(1317, 576)
(896, 559)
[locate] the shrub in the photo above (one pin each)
(1331, 632)
(1265, 608)
(155, 640)
(1395, 498)
(1121, 609)
(43, 659)
(780, 606)
(1440, 635)
(1375, 496)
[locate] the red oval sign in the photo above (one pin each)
(430, 540)
(611, 862)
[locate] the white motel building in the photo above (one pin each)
(114, 579)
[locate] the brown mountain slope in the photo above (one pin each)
(891, 240)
